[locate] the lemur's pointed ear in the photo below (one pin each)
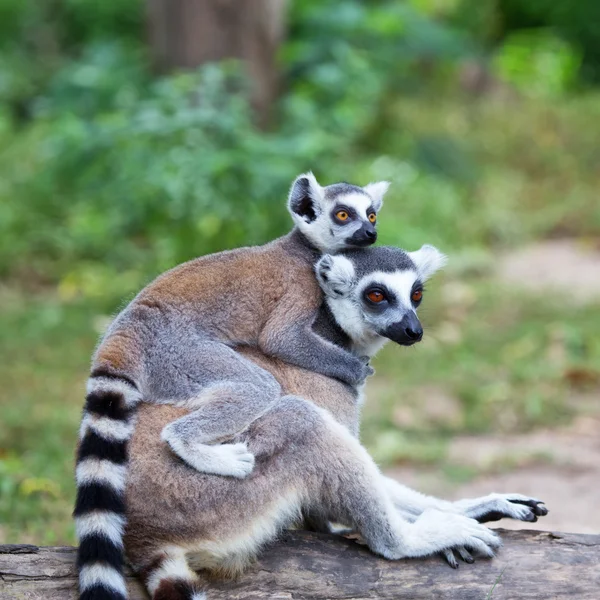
(428, 260)
(335, 275)
(377, 191)
(306, 197)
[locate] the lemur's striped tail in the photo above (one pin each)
(101, 471)
(169, 577)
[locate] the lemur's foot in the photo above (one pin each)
(443, 532)
(499, 506)
(230, 460)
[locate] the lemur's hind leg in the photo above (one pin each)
(346, 487)
(356, 494)
(231, 393)
(225, 409)
(168, 576)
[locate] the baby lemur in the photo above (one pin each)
(173, 343)
(308, 460)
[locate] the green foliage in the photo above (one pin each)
(578, 22)
(144, 182)
(344, 62)
(38, 38)
(111, 175)
(537, 62)
(575, 22)
(68, 23)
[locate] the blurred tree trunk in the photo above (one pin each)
(188, 33)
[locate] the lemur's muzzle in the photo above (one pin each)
(365, 236)
(406, 332)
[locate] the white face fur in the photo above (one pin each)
(373, 294)
(337, 216)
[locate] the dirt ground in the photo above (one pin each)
(560, 466)
(567, 478)
(568, 266)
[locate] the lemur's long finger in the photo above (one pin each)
(526, 515)
(450, 558)
(537, 506)
(465, 554)
(481, 548)
(520, 498)
(512, 506)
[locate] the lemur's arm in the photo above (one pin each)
(288, 335)
(492, 507)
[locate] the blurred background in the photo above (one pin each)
(136, 135)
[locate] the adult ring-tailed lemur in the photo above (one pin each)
(308, 458)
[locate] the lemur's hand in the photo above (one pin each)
(369, 370)
(356, 371)
(364, 370)
(494, 507)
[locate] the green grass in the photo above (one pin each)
(45, 347)
(489, 174)
(489, 595)
(495, 359)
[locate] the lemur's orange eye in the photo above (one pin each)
(342, 215)
(417, 295)
(375, 296)
(372, 217)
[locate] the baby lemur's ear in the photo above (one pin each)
(335, 275)
(428, 260)
(377, 191)
(306, 197)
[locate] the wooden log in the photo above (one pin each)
(310, 566)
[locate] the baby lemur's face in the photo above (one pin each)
(338, 216)
(374, 293)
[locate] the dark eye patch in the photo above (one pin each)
(417, 290)
(349, 211)
(389, 296)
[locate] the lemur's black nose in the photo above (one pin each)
(415, 334)
(407, 331)
(365, 236)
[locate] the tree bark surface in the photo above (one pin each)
(309, 566)
(188, 33)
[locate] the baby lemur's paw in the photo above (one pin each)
(368, 370)
(361, 369)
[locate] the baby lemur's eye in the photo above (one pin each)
(342, 215)
(372, 217)
(417, 295)
(376, 296)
